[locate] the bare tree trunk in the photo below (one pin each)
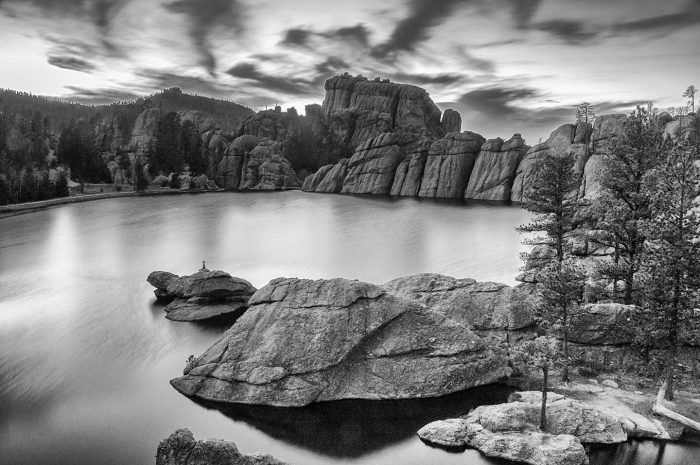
(672, 341)
(543, 410)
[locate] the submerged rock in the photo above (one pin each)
(204, 294)
(304, 341)
(181, 448)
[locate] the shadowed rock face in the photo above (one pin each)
(307, 341)
(494, 171)
(449, 165)
(409, 173)
(332, 182)
(181, 448)
(602, 324)
(372, 166)
(451, 121)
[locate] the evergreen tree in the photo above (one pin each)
(690, 93)
(541, 354)
(671, 262)
(61, 188)
(167, 153)
(585, 113)
(623, 204)
(140, 181)
(561, 289)
(552, 198)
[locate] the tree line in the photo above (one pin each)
(646, 215)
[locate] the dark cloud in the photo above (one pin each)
(429, 79)
(301, 37)
(100, 12)
(570, 31)
(663, 24)
(496, 102)
(70, 62)
(157, 79)
(332, 64)
(203, 16)
(286, 85)
(99, 96)
(413, 29)
(524, 10)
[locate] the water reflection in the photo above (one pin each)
(352, 428)
(645, 453)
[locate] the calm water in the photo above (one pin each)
(86, 355)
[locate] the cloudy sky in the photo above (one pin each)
(506, 65)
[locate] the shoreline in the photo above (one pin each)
(15, 209)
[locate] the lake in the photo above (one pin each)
(86, 354)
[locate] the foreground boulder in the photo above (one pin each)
(204, 294)
(304, 341)
(181, 448)
(510, 430)
(524, 445)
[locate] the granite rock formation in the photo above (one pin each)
(202, 295)
(489, 309)
(372, 166)
(495, 168)
(305, 341)
(449, 165)
(181, 448)
(451, 121)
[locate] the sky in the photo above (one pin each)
(506, 65)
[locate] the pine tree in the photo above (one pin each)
(552, 198)
(671, 262)
(561, 289)
(140, 181)
(690, 94)
(585, 113)
(541, 354)
(623, 205)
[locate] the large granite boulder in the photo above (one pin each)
(451, 121)
(370, 108)
(449, 165)
(305, 341)
(332, 182)
(682, 128)
(605, 129)
(181, 448)
(494, 170)
(202, 295)
(312, 181)
(409, 173)
(372, 166)
(523, 445)
(229, 174)
(266, 169)
(565, 416)
(558, 144)
(602, 324)
(496, 311)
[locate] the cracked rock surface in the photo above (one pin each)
(304, 341)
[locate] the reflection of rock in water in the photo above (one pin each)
(351, 428)
(645, 453)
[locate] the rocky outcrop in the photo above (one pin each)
(493, 310)
(449, 165)
(372, 166)
(682, 128)
(605, 128)
(305, 341)
(312, 181)
(181, 448)
(143, 133)
(451, 121)
(602, 324)
(409, 173)
(510, 430)
(558, 144)
(266, 169)
(202, 295)
(363, 109)
(494, 171)
(333, 181)
(229, 174)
